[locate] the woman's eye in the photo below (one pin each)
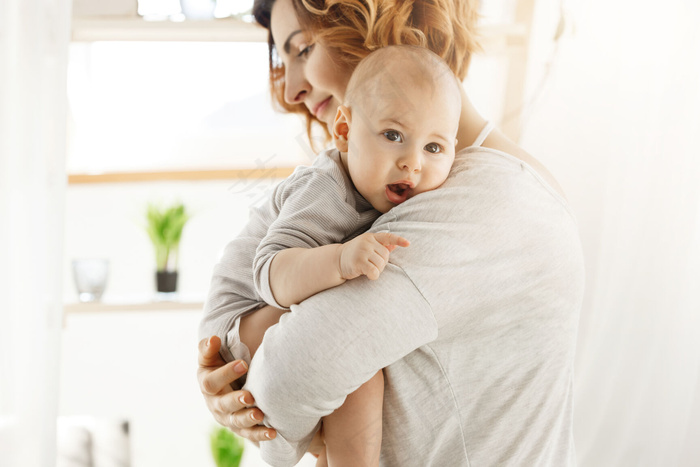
(305, 50)
(393, 135)
(433, 148)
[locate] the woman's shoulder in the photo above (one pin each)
(501, 173)
(498, 142)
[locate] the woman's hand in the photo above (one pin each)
(232, 409)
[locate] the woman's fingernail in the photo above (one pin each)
(268, 435)
(240, 367)
(242, 399)
(208, 342)
(255, 417)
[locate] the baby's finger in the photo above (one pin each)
(383, 251)
(378, 261)
(373, 267)
(387, 239)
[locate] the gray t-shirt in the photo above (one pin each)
(474, 324)
(316, 205)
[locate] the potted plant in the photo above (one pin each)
(165, 229)
(226, 448)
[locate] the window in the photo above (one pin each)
(140, 106)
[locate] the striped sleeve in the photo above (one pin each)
(313, 212)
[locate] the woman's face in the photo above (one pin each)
(312, 77)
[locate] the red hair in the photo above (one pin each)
(351, 29)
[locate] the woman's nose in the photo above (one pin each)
(295, 85)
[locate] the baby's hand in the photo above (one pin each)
(368, 254)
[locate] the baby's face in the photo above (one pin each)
(402, 144)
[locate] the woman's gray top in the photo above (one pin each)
(475, 325)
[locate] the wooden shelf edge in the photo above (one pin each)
(195, 175)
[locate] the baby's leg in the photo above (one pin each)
(353, 433)
(253, 326)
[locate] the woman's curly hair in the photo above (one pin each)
(351, 29)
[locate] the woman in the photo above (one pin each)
(318, 44)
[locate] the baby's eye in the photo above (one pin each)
(393, 135)
(433, 148)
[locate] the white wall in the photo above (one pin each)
(618, 125)
(140, 365)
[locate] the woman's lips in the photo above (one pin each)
(321, 107)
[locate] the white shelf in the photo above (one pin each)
(133, 305)
(88, 29)
(138, 29)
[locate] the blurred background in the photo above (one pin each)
(107, 107)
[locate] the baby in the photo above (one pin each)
(395, 138)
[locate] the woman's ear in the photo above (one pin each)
(341, 128)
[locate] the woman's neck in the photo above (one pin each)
(470, 123)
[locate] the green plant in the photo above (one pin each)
(226, 448)
(164, 227)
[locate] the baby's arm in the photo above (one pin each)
(298, 273)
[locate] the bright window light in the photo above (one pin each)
(138, 106)
(163, 9)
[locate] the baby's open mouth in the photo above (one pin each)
(399, 188)
(397, 192)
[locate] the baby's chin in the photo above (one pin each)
(382, 205)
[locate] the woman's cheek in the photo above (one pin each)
(319, 67)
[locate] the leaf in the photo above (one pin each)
(226, 448)
(164, 227)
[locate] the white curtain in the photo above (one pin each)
(34, 36)
(622, 123)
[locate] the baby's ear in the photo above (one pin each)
(341, 128)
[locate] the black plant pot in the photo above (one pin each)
(166, 281)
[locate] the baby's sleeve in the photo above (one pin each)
(231, 293)
(314, 212)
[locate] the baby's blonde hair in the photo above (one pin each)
(351, 29)
(388, 68)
